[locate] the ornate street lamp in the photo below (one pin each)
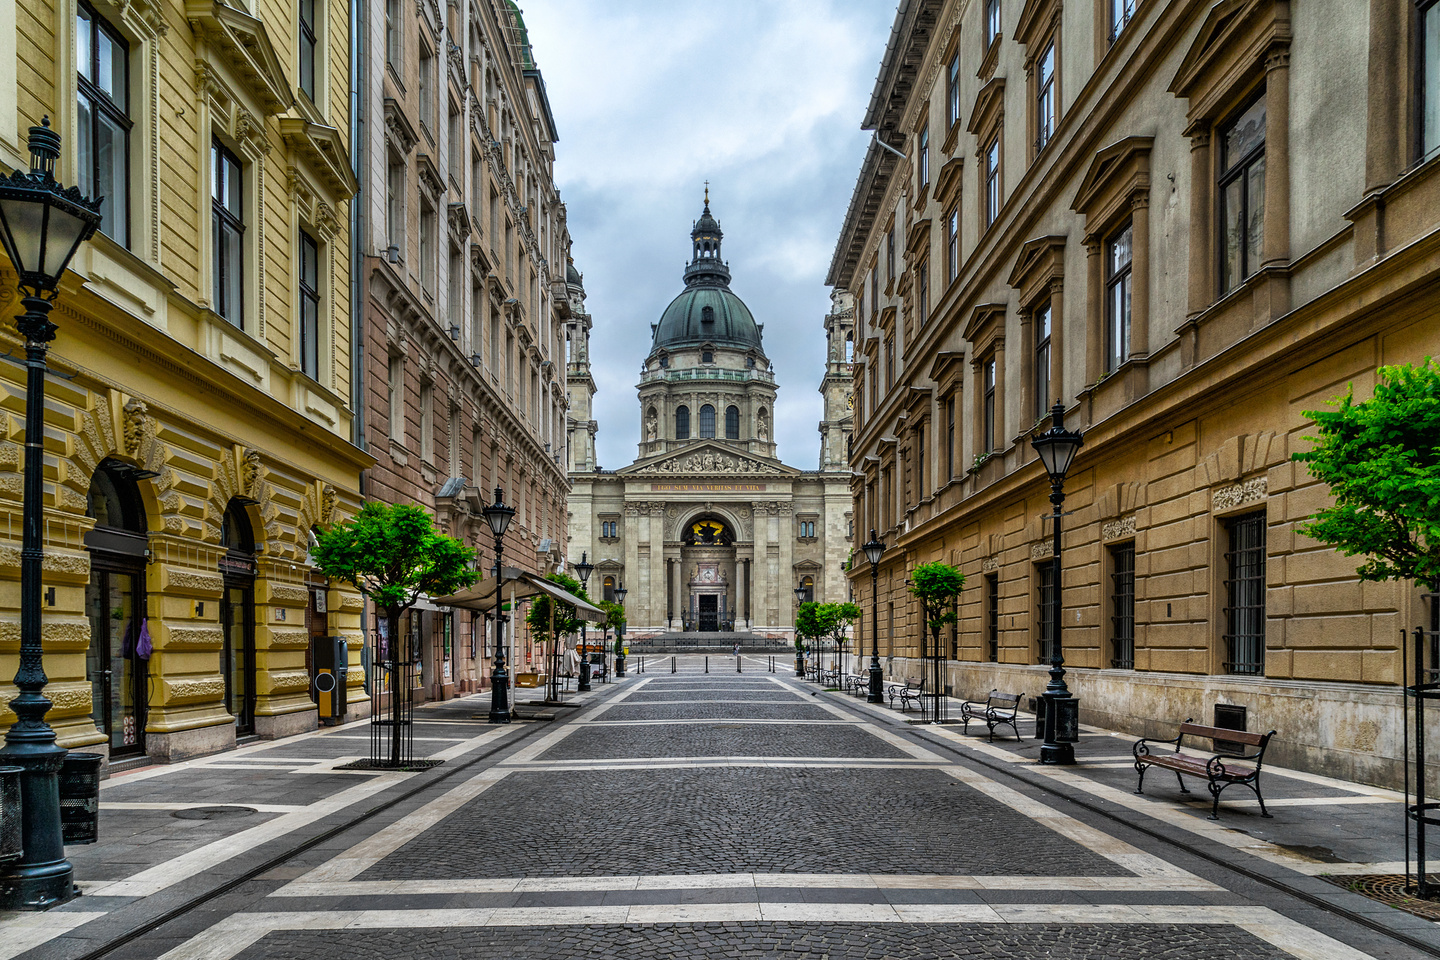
(1057, 448)
(620, 592)
(42, 224)
(583, 569)
(873, 550)
(499, 515)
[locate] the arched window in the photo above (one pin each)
(707, 421)
(849, 348)
(609, 589)
(682, 423)
(732, 423)
(707, 314)
(237, 617)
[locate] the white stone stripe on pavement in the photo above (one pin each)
(741, 881)
(238, 931)
(25, 931)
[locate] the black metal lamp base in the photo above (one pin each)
(584, 684)
(877, 684)
(500, 696)
(1060, 754)
(43, 877)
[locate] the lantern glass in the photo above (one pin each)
(498, 515)
(874, 549)
(583, 569)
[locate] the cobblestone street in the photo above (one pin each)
(709, 815)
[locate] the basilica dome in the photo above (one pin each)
(706, 311)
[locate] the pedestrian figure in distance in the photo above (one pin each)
(737, 651)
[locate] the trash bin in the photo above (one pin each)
(80, 797)
(10, 846)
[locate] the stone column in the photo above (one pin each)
(742, 589)
(658, 583)
(785, 585)
(1202, 214)
(1277, 158)
(1095, 310)
(1057, 340)
(1140, 277)
(1001, 436)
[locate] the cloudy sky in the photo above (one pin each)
(764, 99)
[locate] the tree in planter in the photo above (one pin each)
(937, 586)
(809, 628)
(393, 555)
(1381, 460)
(565, 622)
(614, 620)
(840, 616)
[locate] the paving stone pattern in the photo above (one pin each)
(721, 740)
(734, 820)
(691, 692)
(781, 941)
(705, 710)
(261, 784)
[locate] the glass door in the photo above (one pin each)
(237, 656)
(113, 663)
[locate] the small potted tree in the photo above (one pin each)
(937, 586)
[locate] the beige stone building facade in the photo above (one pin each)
(707, 530)
(464, 254)
(199, 418)
(1188, 222)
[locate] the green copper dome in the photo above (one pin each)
(684, 323)
(707, 311)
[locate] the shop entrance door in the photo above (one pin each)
(117, 674)
(237, 656)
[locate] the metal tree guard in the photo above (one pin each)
(1426, 687)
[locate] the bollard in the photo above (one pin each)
(672, 664)
(737, 663)
(707, 664)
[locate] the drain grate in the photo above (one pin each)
(1389, 889)
(409, 766)
(212, 813)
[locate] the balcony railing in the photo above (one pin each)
(707, 373)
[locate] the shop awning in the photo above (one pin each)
(518, 584)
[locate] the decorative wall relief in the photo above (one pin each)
(1115, 529)
(1041, 550)
(1227, 498)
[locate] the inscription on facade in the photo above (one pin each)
(707, 488)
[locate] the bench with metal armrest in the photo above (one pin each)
(996, 710)
(1219, 771)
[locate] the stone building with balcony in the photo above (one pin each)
(1187, 222)
(707, 529)
(463, 247)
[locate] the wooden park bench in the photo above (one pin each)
(996, 710)
(1220, 770)
(905, 692)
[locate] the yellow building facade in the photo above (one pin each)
(199, 412)
(1189, 223)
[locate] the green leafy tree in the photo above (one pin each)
(840, 616)
(393, 555)
(1381, 460)
(614, 617)
(566, 621)
(808, 626)
(937, 586)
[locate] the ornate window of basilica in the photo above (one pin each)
(682, 423)
(732, 422)
(707, 422)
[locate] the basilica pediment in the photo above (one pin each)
(708, 458)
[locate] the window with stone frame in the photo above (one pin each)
(922, 159)
(227, 217)
(1044, 573)
(992, 181)
(309, 284)
(1041, 362)
(707, 422)
(1242, 194)
(1119, 264)
(395, 203)
(952, 245)
(1244, 613)
(805, 527)
(991, 33)
(1114, 198)
(922, 291)
(609, 526)
(988, 436)
(394, 32)
(103, 120)
(305, 41)
(1121, 13)
(950, 438)
(992, 617)
(732, 422)
(1122, 605)
(952, 90)
(922, 466)
(395, 395)
(1047, 97)
(889, 363)
(890, 254)
(1427, 49)
(427, 421)
(682, 422)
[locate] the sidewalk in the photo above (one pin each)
(171, 832)
(1331, 833)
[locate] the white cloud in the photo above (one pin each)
(764, 100)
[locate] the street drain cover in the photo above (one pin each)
(212, 813)
(1389, 889)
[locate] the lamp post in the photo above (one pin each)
(499, 515)
(874, 549)
(583, 569)
(42, 225)
(1057, 448)
(620, 592)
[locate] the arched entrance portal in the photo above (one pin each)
(119, 649)
(237, 617)
(707, 556)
